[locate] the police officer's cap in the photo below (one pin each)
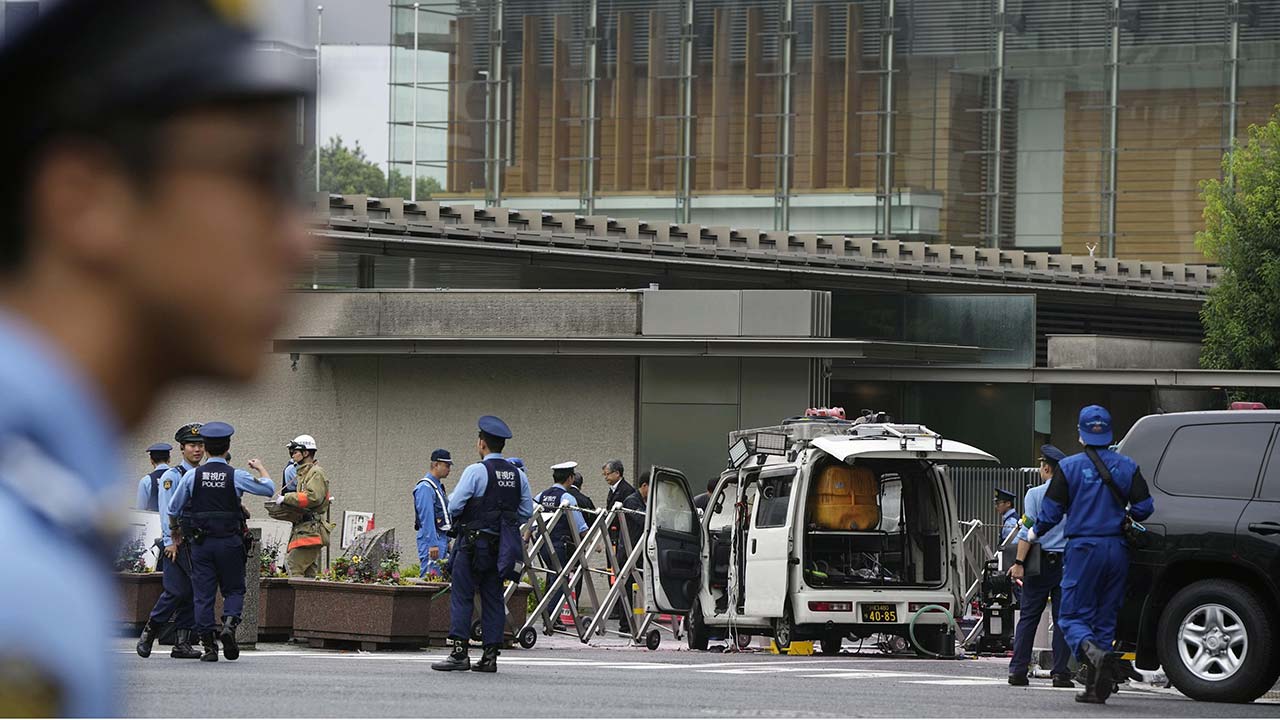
(442, 455)
(88, 61)
(1005, 495)
(160, 447)
(518, 462)
(217, 431)
(491, 425)
(565, 465)
(1052, 454)
(189, 433)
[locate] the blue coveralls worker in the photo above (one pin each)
(488, 505)
(431, 515)
(1096, 563)
(561, 536)
(207, 501)
(1039, 588)
(176, 601)
(149, 485)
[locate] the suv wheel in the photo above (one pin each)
(1215, 640)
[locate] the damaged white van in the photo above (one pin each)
(819, 530)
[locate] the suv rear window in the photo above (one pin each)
(1214, 460)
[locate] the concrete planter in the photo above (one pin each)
(138, 594)
(372, 616)
(275, 608)
(517, 613)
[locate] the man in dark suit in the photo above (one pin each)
(620, 491)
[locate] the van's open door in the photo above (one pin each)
(673, 544)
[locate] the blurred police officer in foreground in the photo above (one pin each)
(207, 503)
(431, 514)
(1042, 586)
(134, 133)
(561, 540)
(1100, 491)
(149, 485)
(491, 498)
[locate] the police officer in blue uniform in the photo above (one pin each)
(175, 603)
(207, 502)
(431, 514)
(133, 131)
(1039, 588)
(487, 507)
(1101, 492)
(1005, 501)
(149, 484)
(561, 536)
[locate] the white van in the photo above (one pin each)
(819, 530)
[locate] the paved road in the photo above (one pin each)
(561, 678)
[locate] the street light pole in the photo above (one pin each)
(413, 181)
(319, 43)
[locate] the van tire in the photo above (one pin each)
(1256, 673)
(784, 630)
(698, 635)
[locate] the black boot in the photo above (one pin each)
(210, 645)
(230, 648)
(488, 662)
(182, 649)
(1099, 675)
(147, 639)
(457, 660)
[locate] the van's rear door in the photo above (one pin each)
(848, 449)
(673, 544)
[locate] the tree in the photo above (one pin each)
(347, 170)
(1242, 233)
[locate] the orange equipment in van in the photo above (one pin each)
(846, 498)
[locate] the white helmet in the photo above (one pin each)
(306, 442)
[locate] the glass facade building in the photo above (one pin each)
(1070, 125)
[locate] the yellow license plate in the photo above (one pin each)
(879, 613)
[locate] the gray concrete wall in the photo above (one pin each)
(378, 419)
(1117, 353)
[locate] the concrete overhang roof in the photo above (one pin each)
(638, 346)
(1191, 378)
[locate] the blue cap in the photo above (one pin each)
(1002, 494)
(216, 431)
(1051, 453)
(160, 448)
(442, 455)
(518, 462)
(491, 425)
(1095, 426)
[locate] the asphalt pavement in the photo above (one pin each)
(562, 678)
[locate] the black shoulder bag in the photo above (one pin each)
(1131, 533)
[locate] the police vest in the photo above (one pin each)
(550, 500)
(215, 505)
(153, 502)
(501, 497)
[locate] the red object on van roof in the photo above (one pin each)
(1247, 406)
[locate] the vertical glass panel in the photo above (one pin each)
(1172, 108)
(1056, 60)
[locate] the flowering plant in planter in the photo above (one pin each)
(267, 559)
(363, 569)
(130, 557)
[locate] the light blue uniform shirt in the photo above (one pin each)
(245, 483)
(474, 481)
(144, 487)
(58, 600)
(1056, 540)
(426, 508)
(1009, 525)
(290, 477)
(172, 478)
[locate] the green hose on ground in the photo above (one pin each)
(911, 629)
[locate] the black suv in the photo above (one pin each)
(1203, 600)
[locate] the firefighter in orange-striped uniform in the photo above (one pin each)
(306, 510)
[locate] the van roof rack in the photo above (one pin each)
(797, 433)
